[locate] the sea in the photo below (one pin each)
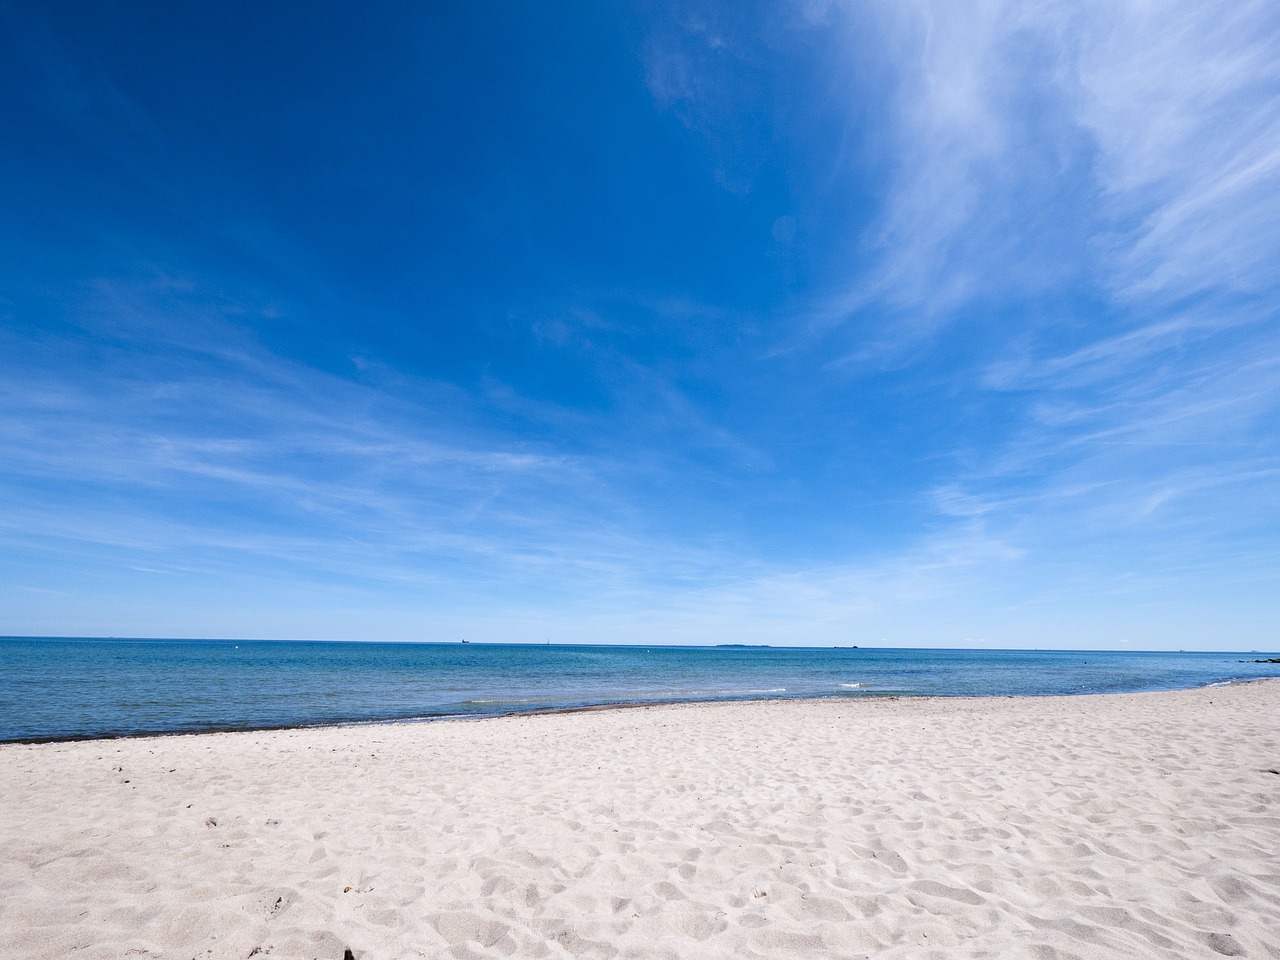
(80, 688)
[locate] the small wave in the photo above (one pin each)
(852, 686)
(1231, 682)
(632, 697)
(710, 693)
(741, 693)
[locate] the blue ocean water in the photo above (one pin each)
(53, 689)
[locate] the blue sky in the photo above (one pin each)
(900, 322)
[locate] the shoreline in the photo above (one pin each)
(605, 707)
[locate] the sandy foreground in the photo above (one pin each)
(1108, 826)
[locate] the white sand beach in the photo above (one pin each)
(1106, 826)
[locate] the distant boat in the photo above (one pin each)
(466, 641)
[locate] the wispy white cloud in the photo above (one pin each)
(982, 158)
(699, 63)
(1103, 178)
(201, 463)
(1183, 100)
(1131, 145)
(190, 443)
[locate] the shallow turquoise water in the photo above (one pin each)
(68, 688)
